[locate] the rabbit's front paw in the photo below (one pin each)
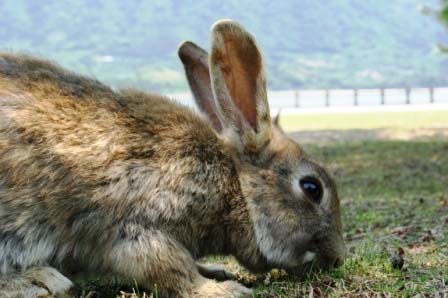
(52, 280)
(227, 289)
(45, 282)
(237, 289)
(216, 271)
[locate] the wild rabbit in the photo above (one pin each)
(136, 185)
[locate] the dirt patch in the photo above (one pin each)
(331, 136)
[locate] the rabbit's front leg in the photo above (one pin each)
(157, 261)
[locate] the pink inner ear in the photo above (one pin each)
(240, 62)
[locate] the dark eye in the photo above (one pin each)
(312, 188)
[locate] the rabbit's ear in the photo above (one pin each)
(195, 61)
(239, 85)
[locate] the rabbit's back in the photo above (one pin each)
(30, 73)
(76, 158)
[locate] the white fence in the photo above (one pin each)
(346, 97)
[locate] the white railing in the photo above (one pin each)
(305, 98)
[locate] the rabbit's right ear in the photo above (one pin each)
(195, 61)
(239, 85)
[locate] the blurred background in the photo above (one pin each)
(307, 44)
(343, 55)
(361, 84)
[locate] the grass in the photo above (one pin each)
(402, 120)
(394, 201)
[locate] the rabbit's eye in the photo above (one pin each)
(312, 188)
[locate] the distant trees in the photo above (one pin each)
(443, 13)
(306, 44)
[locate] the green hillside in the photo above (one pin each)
(307, 43)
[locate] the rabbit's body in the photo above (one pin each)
(85, 171)
(137, 185)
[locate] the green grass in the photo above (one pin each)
(403, 120)
(394, 196)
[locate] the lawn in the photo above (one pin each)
(402, 120)
(395, 213)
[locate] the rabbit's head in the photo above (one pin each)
(292, 200)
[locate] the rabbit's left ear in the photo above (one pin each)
(195, 61)
(239, 84)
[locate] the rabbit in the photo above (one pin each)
(139, 186)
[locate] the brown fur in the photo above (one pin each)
(195, 61)
(137, 185)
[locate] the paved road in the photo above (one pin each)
(363, 109)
